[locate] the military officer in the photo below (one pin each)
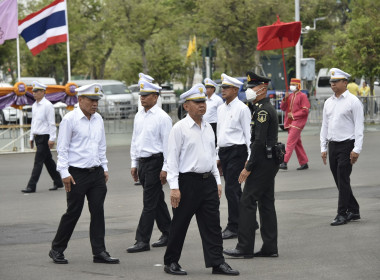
(149, 145)
(259, 174)
(195, 186)
(213, 101)
(233, 130)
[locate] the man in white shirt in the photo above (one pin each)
(195, 186)
(233, 130)
(149, 146)
(43, 132)
(342, 136)
(213, 101)
(82, 163)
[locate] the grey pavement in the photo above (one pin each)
(306, 203)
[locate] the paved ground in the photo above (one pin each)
(306, 203)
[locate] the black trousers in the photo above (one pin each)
(155, 207)
(214, 125)
(43, 156)
(90, 184)
(233, 161)
(341, 168)
(259, 190)
(199, 196)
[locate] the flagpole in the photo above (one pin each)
(22, 147)
(68, 46)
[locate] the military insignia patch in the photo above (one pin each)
(262, 116)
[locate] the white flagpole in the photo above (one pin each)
(68, 46)
(22, 147)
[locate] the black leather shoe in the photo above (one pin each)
(283, 166)
(54, 188)
(352, 216)
(261, 254)
(104, 257)
(28, 190)
(139, 247)
(225, 269)
(236, 253)
(175, 269)
(303, 167)
(339, 220)
(227, 234)
(57, 257)
(162, 242)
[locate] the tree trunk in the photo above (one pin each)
(104, 62)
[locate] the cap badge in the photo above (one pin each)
(248, 78)
(141, 85)
(96, 89)
(333, 73)
(201, 90)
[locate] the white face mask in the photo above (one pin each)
(293, 88)
(251, 95)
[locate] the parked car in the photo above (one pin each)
(169, 100)
(117, 100)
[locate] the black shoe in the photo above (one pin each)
(339, 220)
(175, 269)
(57, 257)
(139, 247)
(283, 166)
(352, 216)
(303, 167)
(261, 254)
(236, 253)
(28, 190)
(55, 187)
(104, 257)
(228, 234)
(162, 242)
(225, 269)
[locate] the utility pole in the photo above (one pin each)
(298, 46)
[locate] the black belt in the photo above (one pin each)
(199, 175)
(90, 169)
(223, 149)
(144, 159)
(41, 135)
(342, 142)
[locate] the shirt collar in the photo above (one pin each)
(190, 122)
(42, 101)
(344, 94)
(80, 115)
(236, 99)
(153, 110)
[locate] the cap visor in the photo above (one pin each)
(147, 92)
(93, 97)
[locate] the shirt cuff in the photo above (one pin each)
(105, 167)
(174, 185)
(357, 150)
(134, 163)
(64, 173)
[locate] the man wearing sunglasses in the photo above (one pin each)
(234, 136)
(342, 138)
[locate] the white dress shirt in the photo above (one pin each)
(43, 119)
(343, 119)
(191, 149)
(234, 124)
(212, 103)
(81, 142)
(150, 134)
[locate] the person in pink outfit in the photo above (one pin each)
(296, 106)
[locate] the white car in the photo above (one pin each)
(117, 100)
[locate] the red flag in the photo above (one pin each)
(279, 35)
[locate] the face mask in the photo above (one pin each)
(293, 88)
(251, 95)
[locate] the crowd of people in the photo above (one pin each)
(218, 137)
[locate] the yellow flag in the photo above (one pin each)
(194, 44)
(189, 49)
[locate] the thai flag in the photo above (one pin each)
(45, 27)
